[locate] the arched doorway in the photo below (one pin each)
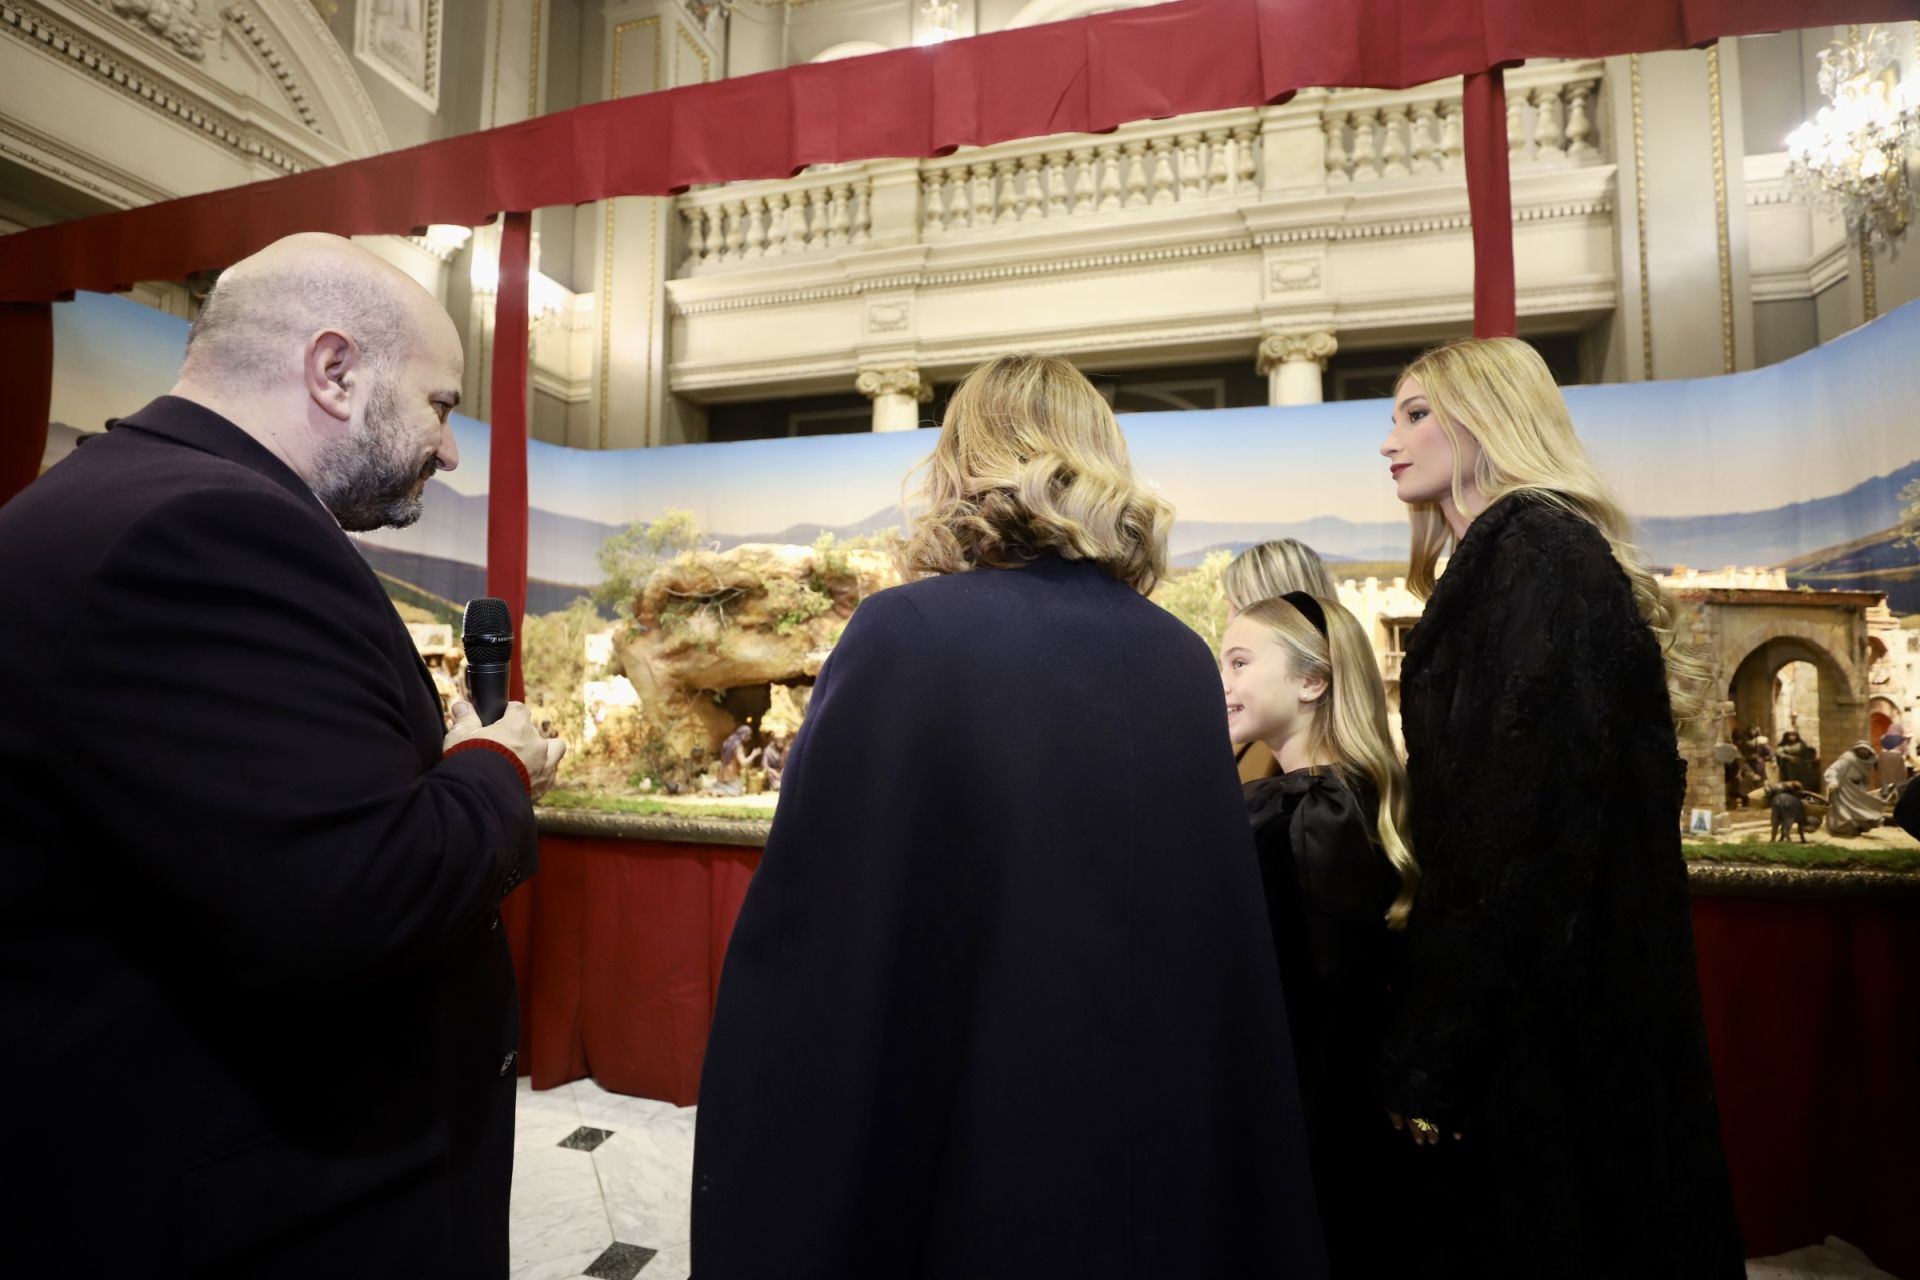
(1882, 715)
(1789, 683)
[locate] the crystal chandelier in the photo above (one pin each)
(1851, 157)
(939, 21)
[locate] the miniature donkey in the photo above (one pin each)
(1788, 806)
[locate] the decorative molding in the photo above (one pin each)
(1722, 228)
(533, 63)
(1293, 275)
(894, 380)
(177, 22)
(68, 44)
(404, 48)
(262, 42)
(1869, 288)
(749, 297)
(493, 85)
(45, 155)
(889, 317)
(706, 63)
(1317, 346)
(1640, 216)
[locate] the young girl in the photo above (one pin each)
(1339, 879)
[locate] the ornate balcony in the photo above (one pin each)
(1339, 211)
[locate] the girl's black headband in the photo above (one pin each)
(1309, 609)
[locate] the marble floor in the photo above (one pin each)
(600, 1185)
(600, 1189)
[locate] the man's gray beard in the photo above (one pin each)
(367, 479)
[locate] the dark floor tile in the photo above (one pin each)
(620, 1261)
(585, 1139)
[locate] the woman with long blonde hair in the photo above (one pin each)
(1001, 999)
(1546, 1037)
(1330, 831)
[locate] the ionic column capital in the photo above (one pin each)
(1315, 345)
(894, 380)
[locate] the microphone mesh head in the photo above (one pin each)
(486, 630)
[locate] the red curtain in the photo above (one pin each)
(26, 359)
(507, 446)
(1087, 75)
(1490, 204)
(1812, 1010)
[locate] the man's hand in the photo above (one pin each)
(515, 731)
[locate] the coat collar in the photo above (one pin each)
(190, 423)
(1456, 590)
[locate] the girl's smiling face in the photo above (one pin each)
(1267, 700)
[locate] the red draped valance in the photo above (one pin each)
(1083, 76)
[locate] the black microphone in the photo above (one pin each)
(486, 632)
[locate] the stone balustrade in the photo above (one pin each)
(1324, 141)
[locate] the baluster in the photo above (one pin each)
(1086, 183)
(1246, 172)
(800, 223)
(983, 195)
(837, 217)
(1549, 137)
(1424, 137)
(757, 227)
(1394, 135)
(1163, 171)
(1006, 195)
(777, 224)
(1366, 165)
(934, 217)
(716, 234)
(862, 211)
(1136, 173)
(1450, 135)
(1109, 157)
(696, 238)
(959, 198)
(736, 230)
(1058, 188)
(1579, 128)
(1516, 128)
(1033, 197)
(819, 216)
(1219, 164)
(1336, 126)
(1193, 173)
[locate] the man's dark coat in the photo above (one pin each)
(259, 1010)
(1547, 1004)
(1001, 1000)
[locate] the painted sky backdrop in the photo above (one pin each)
(1816, 427)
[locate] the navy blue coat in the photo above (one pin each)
(1001, 1000)
(258, 1008)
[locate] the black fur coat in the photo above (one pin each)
(1548, 1007)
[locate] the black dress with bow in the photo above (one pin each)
(1328, 885)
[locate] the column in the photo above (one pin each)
(1293, 363)
(897, 393)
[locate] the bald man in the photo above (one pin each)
(260, 1011)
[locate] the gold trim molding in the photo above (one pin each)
(1722, 229)
(1640, 215)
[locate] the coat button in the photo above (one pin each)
(506, 1063)
(494, 921)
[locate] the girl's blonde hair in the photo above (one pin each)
(1501, 391)
(1030, 459)
(1350, 723)
(1273, 569)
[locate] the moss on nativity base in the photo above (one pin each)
(744, 809)
(1890, 857)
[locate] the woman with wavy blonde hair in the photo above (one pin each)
(1009, 893)
(1273, 568)
(1547, 1013)
(1330, 831)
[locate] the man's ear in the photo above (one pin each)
(330, 364)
